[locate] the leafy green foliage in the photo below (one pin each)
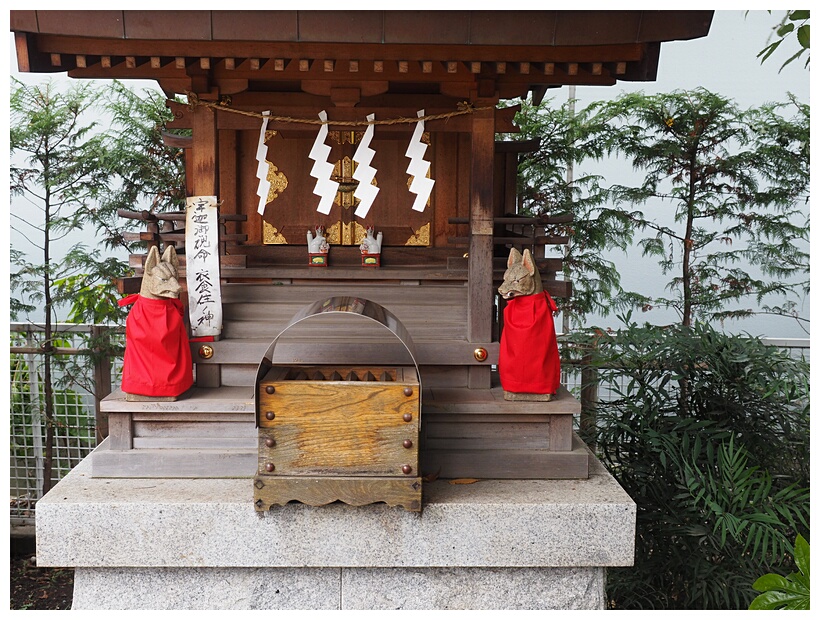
(146, 173)
(720, 198)
(567, 139)
(789, 592)
(795, 24)
(708, 434)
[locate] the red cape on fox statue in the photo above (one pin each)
(528, 360)
(157, 355)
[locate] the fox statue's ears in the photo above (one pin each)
(152, 260)
(169, 256)
(514, 257)
(526, 260)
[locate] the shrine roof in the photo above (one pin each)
(506, 53)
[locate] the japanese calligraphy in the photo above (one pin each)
(202, 266)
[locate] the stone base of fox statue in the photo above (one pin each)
(139, 398)
(525, 396)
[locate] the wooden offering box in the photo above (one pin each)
(329, 433)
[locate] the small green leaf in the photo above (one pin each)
(801, 555)
(803, 36)
(770, 581)
(798, 16)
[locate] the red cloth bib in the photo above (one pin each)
(157, 356)
(528, 359)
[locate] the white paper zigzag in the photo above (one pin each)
(364, 173)
(262, 167)
(418, 167)
(322, 169)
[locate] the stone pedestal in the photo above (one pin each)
(199, 544)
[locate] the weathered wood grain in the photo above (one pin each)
(507, 463)
(357, 491)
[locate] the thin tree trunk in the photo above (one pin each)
(48, 346)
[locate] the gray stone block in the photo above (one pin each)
(206, 588)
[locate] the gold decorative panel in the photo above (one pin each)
(271, 236)
(421, 236)
(345, 233)
(278, 182)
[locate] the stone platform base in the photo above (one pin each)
(339, 588)
(199, 544)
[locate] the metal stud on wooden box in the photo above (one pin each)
(333, 433)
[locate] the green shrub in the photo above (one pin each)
(709, 435)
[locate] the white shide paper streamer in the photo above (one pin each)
(322, 169)
(418, 167)
(364, 173)
(202, 265)
(262, 166)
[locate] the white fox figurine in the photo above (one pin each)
(371, 244)
(317, 244)
(528, 361)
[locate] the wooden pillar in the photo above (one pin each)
(480, 265)
(204, 152)
(480, 274)
(205, 182)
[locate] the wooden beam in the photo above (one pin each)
(55, 60)
(179, 62)
(353, 66)
(254, 64)
(80, 61)
(279, 64)
(230, 64)
(131, 62)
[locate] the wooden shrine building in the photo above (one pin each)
(440, 265)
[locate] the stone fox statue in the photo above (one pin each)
(157, 359)
(528, 362)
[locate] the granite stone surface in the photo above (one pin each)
(206, 588)
(103, 522)
(338, 588)
(473, 588)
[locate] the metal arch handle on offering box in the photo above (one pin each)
(353, 306)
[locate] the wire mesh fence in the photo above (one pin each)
(78, 383)
(83, 371)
